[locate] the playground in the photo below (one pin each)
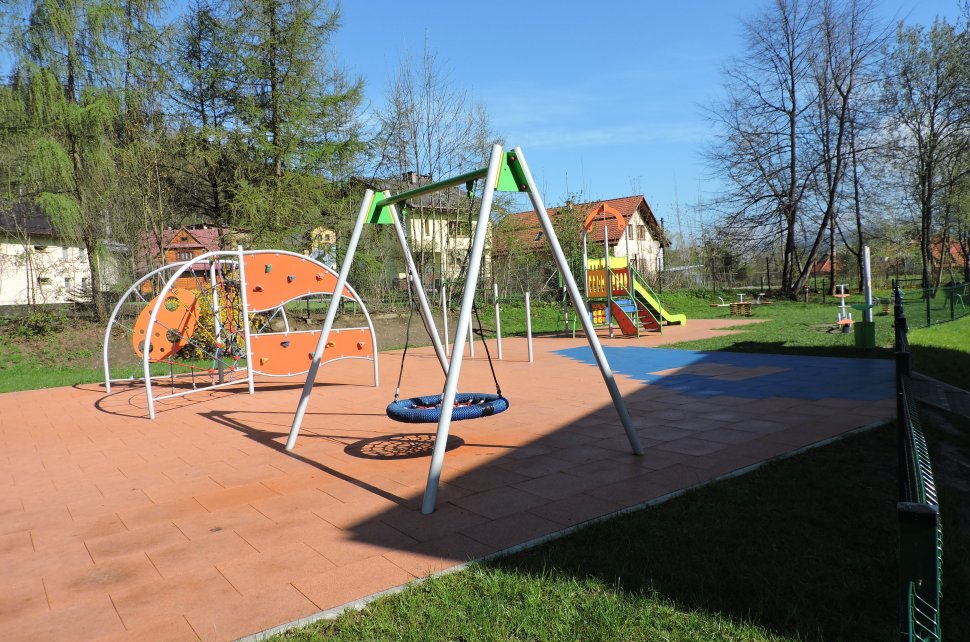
(201, 524)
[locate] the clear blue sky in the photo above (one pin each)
(605, 98)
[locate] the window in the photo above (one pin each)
(43, 280)
(40, 248)
(65, 253)
(183, 255)
(68, 282)
(538, 237)
(84, 282)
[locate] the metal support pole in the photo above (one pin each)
(462, 332)
(423, 306)
(608, 275)
(444, 317)
(594, 342)
(528, 325)
(471, 339)
(498, 323)
(867, 315)
(215, 318)
(245, 318)
(328, 322)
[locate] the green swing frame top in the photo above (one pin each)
(505, 172)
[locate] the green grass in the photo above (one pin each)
(802, 549)
(943, 352)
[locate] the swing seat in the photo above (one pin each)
(427, 410)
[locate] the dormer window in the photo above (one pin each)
(538, 237)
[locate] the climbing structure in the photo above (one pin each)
(222, 318)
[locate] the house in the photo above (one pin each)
(627, 224)
(439, 228)
(184, 244)
(36, 266)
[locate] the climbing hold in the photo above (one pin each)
(218, 344)
(319, 276)
(290, 278)
(360, 345)
(330, 344)
(285, 344)
(258, 288)
(263, 360)
(269, 268)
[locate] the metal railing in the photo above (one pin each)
(925, 307)
(918, 510)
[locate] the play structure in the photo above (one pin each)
(506, 171)
(615, 291)
(222, 318)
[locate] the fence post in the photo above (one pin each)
(953, 291)
(929, 318)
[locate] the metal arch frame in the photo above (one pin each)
(235, 257)
(493, 173)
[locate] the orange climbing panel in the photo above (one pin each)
(273, 279)
(174, 325)
(290, 353)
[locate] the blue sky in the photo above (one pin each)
(606, 99)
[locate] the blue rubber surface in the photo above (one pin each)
(799, 377)
(424, 410)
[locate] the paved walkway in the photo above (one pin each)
(200, 526)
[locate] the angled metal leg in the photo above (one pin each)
(594, 342)
(328, 323)
(461, 332)
(423, 306)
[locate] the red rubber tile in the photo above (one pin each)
(200, 525)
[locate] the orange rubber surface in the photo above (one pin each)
(201, 526)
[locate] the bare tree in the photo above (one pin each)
(762, 150)
(429, 129)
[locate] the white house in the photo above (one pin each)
(36, 267)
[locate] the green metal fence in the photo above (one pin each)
(924, 307)
(918, 511)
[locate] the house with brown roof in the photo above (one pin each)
(626, 224)
(178, 245)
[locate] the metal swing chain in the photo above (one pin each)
(470, 186)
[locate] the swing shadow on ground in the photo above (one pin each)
(718, 549)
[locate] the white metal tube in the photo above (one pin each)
(245, 319)
(528, 325)
(608, 276)
(464, 327)
(114, 315)
(444, 317)
(328, 322)
(867, 316)
(423, 307)
(215, 318)
(498, 323)
(594, 342)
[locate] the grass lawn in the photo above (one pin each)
(941, 351)
(802, 549)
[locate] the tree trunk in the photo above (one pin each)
(97, 295)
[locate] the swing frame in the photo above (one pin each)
(506, 171)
